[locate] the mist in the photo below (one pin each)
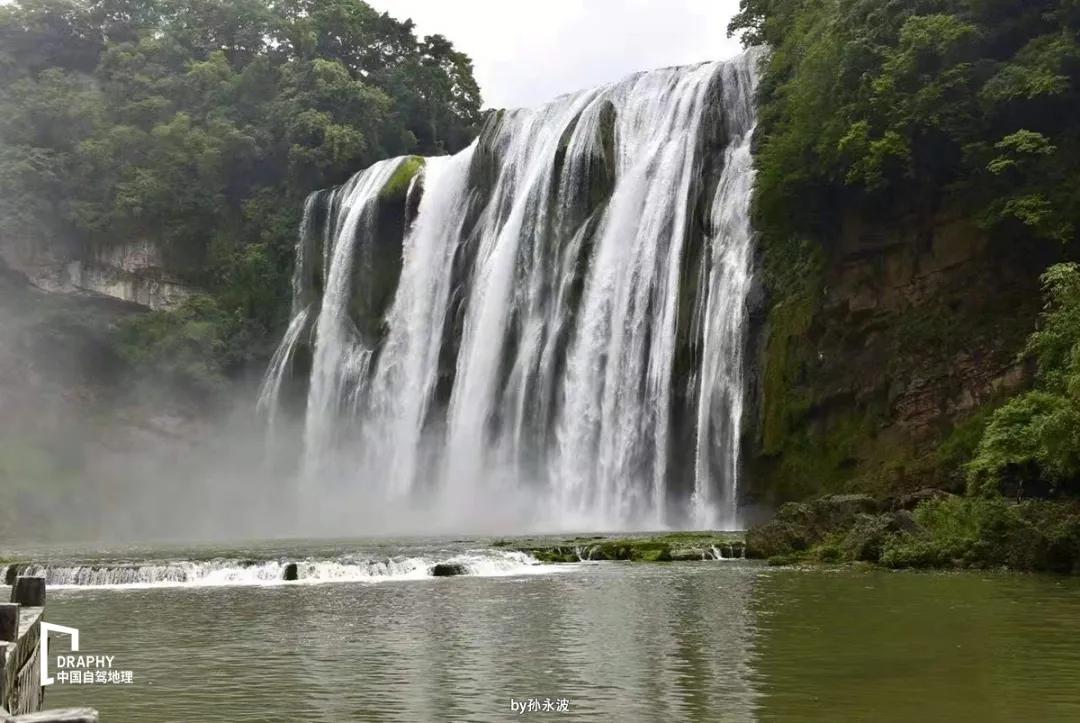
(92, 450)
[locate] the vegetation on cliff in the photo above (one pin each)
(1032, 443)
(1029, 446)
(917, 165)
(201, 126)
(963, 103)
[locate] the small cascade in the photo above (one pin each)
(729, 551)
(268, 402)
(226, 572)
(550, 323)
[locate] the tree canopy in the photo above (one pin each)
(201, 124)
(969, 104)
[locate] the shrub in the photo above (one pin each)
(866, 538)
(1033, 441)
(192, 348)
(989, 532)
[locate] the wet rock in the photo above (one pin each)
(912, 500)
(903, 521)
(800, 525)
(448, 569)
(840, 510)
(865, 541)
(778, 538)
(291, 572)
(13, 571)
(376, 263)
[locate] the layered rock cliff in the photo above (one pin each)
(879, 351)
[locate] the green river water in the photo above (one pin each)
(708, 641)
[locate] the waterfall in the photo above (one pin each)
(720, 401)
(548, 325)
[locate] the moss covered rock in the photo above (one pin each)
(377, 259)
(942, 532)
(866, 538)
(676, 546)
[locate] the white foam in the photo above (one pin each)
(224, 572)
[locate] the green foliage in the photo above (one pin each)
(1033, 441)
(398, 185)
(31, 476)
(796, 268)
(878, 118)
(942, 102)
(192, 348)
(989, 532)
(196, 124)
(945, 532)
(957, 449)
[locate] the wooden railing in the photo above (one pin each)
(21, 692)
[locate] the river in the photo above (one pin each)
(701, 641)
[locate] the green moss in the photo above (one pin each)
(793, 278)
(829, 552)
(398, 185)
(681, 546)
(943, 532)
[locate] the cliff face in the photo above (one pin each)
(92, 447)
(135, 271)
(878, 352)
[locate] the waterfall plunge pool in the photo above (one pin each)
(725, 640)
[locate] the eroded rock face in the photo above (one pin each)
(134, 272)
(901, 334)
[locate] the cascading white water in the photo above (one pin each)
(564, 336)
(721, 386)
(229, 571)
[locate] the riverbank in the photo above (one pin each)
(929, 529)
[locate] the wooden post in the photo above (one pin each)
(29, 591)
(9, 622)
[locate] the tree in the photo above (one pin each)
(202, 124)
(1033, 441)
(963, 105)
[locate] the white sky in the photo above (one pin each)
(527, 52)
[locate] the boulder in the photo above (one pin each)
(840, 510)
(779, 537)
(800, 525)
(448, 569)
(912, 500)
(291, 572)
(865, 540)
